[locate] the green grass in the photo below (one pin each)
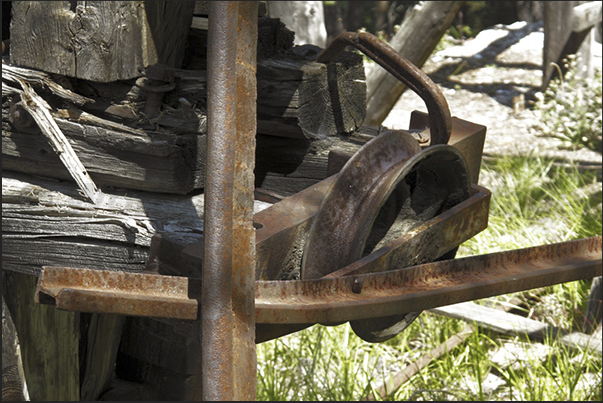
(534, 201)
(570, 109)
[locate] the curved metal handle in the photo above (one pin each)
(439, 114)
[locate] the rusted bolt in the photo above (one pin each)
(357, 286)
(159, 79)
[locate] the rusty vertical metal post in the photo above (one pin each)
(227, 296)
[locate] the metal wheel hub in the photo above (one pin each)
(384, 191)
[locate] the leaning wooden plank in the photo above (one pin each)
(17, 74)
(394, 383)
(40, 111)
(506, 323)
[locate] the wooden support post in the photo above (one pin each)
(568, 30)
(49, 341)
(66, 355)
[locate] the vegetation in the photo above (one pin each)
(534, 201)
(570, 109)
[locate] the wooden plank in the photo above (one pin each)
(153, 161)
(394, 383)
(585, 16)
(103, 339)
(40, 111)
(49, 340)
(418, 35)
(45, 222)
(510, 324)
(97, 40)
(557, 32)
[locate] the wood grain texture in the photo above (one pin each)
(47, 222)
(49, 341)
(99, 40)
(160, 162)
(303, 99)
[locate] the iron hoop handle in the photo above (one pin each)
(440, 121)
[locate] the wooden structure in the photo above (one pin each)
(569, 30)
(145, 174)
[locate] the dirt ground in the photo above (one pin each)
(480, 78)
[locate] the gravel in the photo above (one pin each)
(482, 77)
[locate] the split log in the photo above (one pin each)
(99, 41)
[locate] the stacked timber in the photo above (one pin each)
(90, 174)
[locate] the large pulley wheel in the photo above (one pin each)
(389, 187)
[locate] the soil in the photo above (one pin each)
(480, 79)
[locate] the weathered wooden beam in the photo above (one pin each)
(568, 31)
(508, 323)
(584, 16)
(49, 340)
(98, 40)
(46, 222)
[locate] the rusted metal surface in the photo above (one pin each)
(227, 319)
(135, 294)
(285, 225)
(448, 229)
(432, 238)
(429, 240)
(428, 285)
(467, 137)
(391, 180)
(351, 205)
(403, 70)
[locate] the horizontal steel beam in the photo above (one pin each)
(134, 294)
(426, 286)
(332, 300)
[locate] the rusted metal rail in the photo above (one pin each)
(228, 357)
